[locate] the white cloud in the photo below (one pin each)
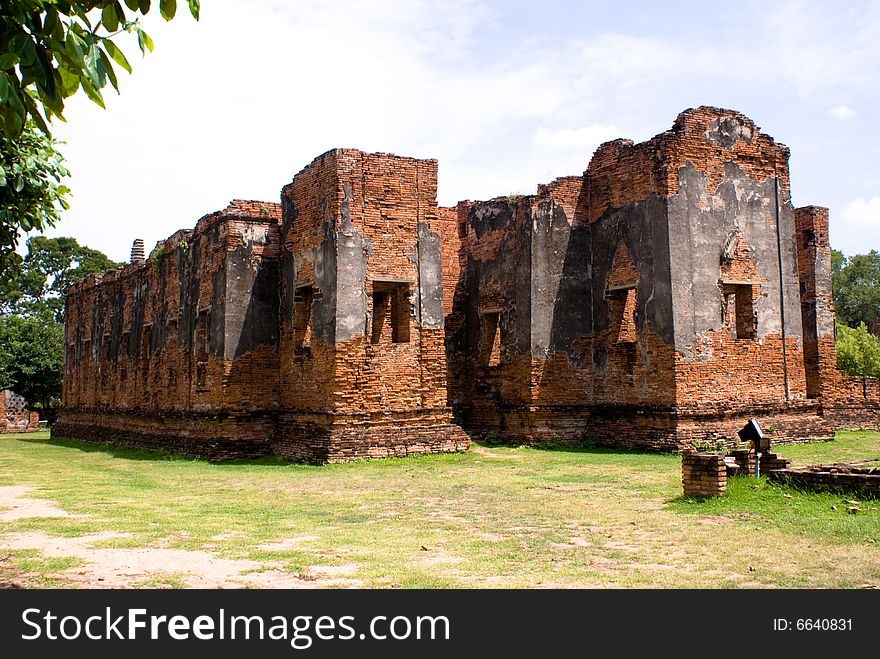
(587, 137)
(814, 45)
(862, 213)
(856, 229)
(842, 112)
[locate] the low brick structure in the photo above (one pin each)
(14, 415)
(665, 296)
(859, 478)
(743, 459)
(771, 462)
(703, 474)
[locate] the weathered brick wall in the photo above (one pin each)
(388, 199)
(717, 172)
(542, 277)
(729, 232)
(653, 301)
(817, 306)
(310, 207)
(19, 421)
(617, 293)
(488, 332)
(782, 423)
(628, 329)
(189, 334)
(847, 402)
(218, 436)
(622, 173)
(364, 232)
(321, 338)
(447, 225)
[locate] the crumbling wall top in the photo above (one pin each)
(622, 172)
(267, 212)
(262, 211)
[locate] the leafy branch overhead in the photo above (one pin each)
(32, 195)
(50, 49)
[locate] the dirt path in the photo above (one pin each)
(105, 567)
(20, 506)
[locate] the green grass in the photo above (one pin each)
(168, 581)
(821, 516)
(33, 569)
(494, 517)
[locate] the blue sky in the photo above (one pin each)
(505, 95)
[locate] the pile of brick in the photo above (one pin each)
(14, 415)
(771, 462)
(740, 461)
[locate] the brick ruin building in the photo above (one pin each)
(666, 295)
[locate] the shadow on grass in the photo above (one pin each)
(156, 455)
(564, 446)
(164, 455)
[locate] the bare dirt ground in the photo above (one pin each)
(105, 567)
(17, 505)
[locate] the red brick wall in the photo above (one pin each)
(123, 333)
(446, 224)
(389, 197)
(628, 365)
(848, 402)
(243, 328)
(363, 392)
(311, 207)
(583, 281)
(732, 359)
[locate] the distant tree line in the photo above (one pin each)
(32, 297)
(855, 285)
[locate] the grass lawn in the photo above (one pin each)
(494, 517)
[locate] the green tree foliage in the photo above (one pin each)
(32, 358)
(858, 351)
(838, 260)
(31, 193)
(38, 285)
(855, 285)
(31, 315)
(50, 49)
